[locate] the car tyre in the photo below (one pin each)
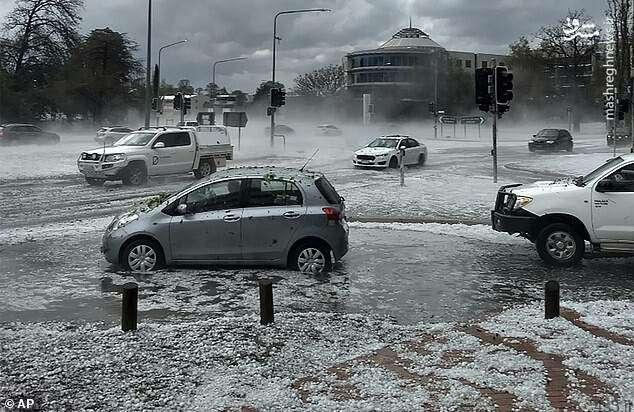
(134, 175)
(531, 149)
(205, 168)
(142, 255)
(421, 159)
(94, 182)
(311, 257)
(558, 244)
(569, 148)
(393, 163)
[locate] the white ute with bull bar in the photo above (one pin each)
(158, 151)
(560, 216)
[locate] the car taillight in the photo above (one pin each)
(332, 214)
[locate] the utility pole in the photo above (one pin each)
(148, 69)
(494, 152)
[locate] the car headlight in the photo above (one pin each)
(121, 221)
(550, 141)
(522, 201)
(114, 157)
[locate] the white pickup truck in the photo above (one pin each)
(158, 151)
(560, 216)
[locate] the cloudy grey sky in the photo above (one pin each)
(219, 29)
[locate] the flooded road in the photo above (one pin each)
(51, 226)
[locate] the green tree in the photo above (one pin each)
(241, 98)
(324, 81)
(184, 86)
(101, 72)
(263, 91)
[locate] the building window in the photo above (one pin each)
(459, 62)
(484, 64)
(467, 64)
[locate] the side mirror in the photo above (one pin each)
(181, 209)
(534, 135)
(159, 145)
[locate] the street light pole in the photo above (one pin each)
(148, 71)
(274, 40)
(213, 70)
(159, 69)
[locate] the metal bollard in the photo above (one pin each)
(266, 301)
(551, 299)
(129, 306)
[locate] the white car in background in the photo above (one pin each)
(109, 135)
(384, 151)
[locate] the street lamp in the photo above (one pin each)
(148, 71)
(161, 50)
(213, 70)
(274, 40)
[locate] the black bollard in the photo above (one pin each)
(551, 299)
(266, 301)
(129, 306)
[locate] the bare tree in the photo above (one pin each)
(324, 81)
(39, 33)
(570, 53)
(620, 12)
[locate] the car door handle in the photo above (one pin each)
(231, 218)
(291, 215)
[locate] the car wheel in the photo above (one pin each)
(421, 159)
(143, 255)
(560, 245)
(393, 163)
(569, 148)
(205, 168)
(94, 182)
(311, 257)
(531, 149)
(134, 175)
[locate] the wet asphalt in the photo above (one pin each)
(407, 275)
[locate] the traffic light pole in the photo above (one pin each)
(494, 152)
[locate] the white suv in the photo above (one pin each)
(560, 216)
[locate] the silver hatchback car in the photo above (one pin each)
(262, 216)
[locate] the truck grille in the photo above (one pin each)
(91, 156)
(365, 157)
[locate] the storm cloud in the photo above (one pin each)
(223, 29)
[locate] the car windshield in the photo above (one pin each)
(547, 133)
(135, 139)
(601, 169)
(380, 142)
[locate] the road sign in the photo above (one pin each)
(472, 120)
(234, 119)
(448, 119)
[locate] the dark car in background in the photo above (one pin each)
(551, 140)
(11, 134)
(109, 135)
(329, 130)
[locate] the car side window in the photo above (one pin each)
(620, 181)
(264, 193)
(174, 139)
(216, 196)
(412, 143)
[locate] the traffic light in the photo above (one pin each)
(504, 85)
(178, 101)
(622, 107)
(432, 108)
(155, 104)
(484, 88)
(187, 101)
(278, 97)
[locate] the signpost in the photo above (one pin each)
(479, 120)
(448, 120)
(235, 119)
